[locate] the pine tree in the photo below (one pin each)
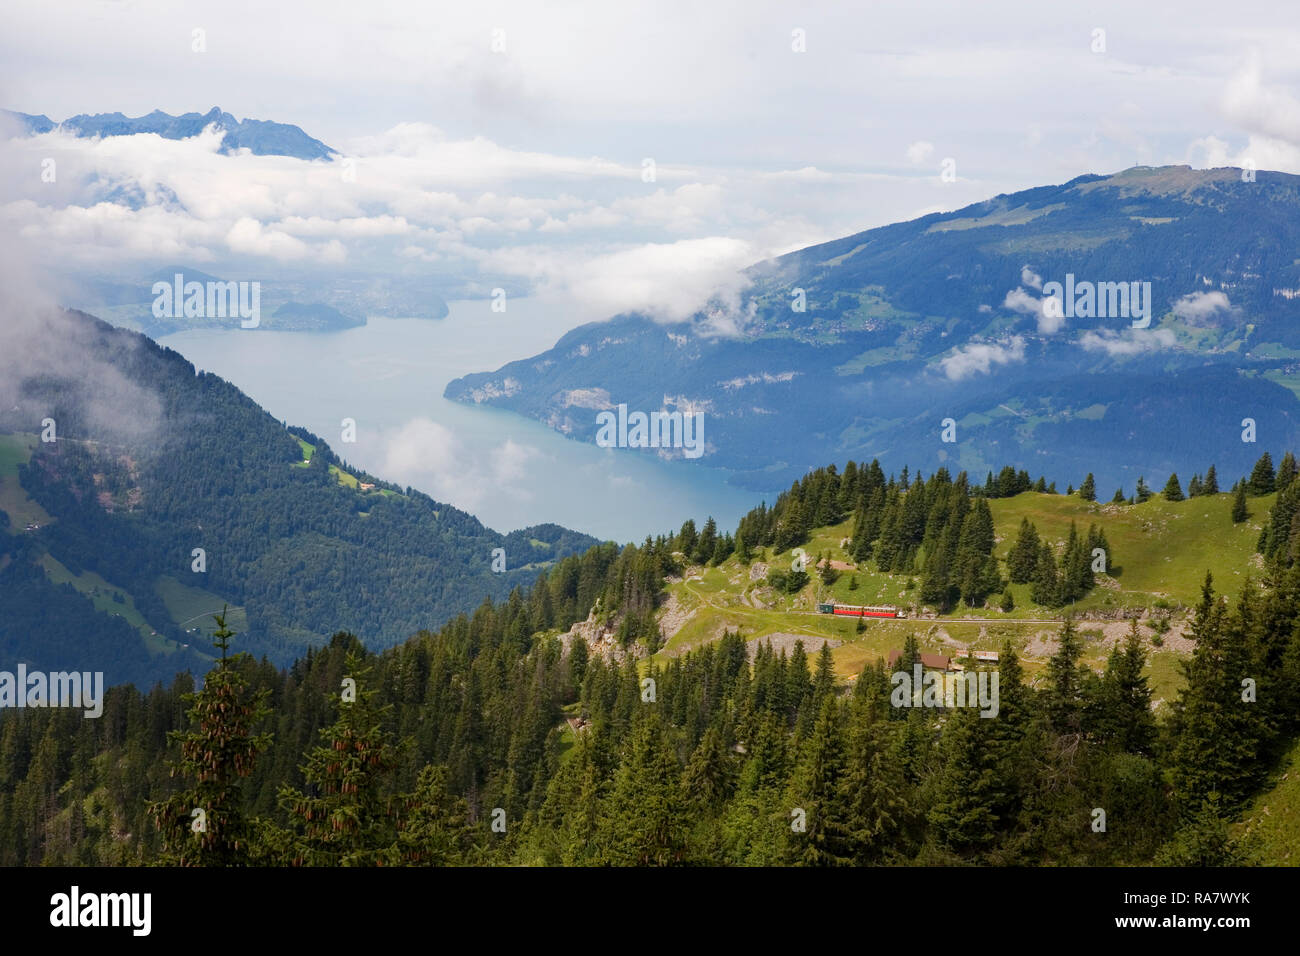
(1262, 479)
(1088, 490)
(1124, 720)
(1216, 732)
(644, 822)
(1064, 695)
(1211, 486)
(1286, 472)
(872, 792)
(435, 827)
(218, 753)
(1143, 492)
(1173, 490)
(347, 818)
(817, 789)
(1045, 587)
(1239, 510)
(1118, 498)
(1022, 561)
(1194, 487)
(962, 816)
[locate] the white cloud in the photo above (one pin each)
(1018, 300)
(1130, 342)
(980, 358)
(919, 152)
(667, 281)
(1031, 278)
(428, 455)
(1200, 306)
(1048, 311)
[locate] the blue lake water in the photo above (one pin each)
(508, 471)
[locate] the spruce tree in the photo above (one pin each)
(644, 821)
(1064, 695)
(1143, 492)
(1022, 561)
(962, 816)
(1173, 490)
(1216, 731)
(1088, 490)
(347, 817)
(216, 755)
(817, 790)
(1286, 472)
(1124, 721)
(1239, 510)
(1262, 479)
(1211, 485)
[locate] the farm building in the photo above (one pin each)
(934, 662)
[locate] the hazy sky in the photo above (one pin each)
(527, 160)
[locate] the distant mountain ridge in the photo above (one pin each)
(905, 326)
(260, 137)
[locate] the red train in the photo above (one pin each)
(859, 610)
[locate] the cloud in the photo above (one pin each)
(1130, 342)
(1258, 108)
(1200, 306)
(38, 340)
(1031, 278)
(919, 152)
(1048, 311)
(980, 358)
(669, 282)
(428, 455)
(1018, 300)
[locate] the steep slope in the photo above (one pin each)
(1161, 550)
(153, 463)
(945, 317)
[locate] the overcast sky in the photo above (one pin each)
(527, 161)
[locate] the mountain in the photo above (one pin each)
(1158, 553)
(944, 317)
(167, 493)
(260, 137)
(287, 303)
(714, 751)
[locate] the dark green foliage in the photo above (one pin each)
(1173, 490)
(1088, 490)
(1262, 479)
(490, 719)
(1239, 510)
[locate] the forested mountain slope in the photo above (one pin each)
(864, 346)
(151, 462)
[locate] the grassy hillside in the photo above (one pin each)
(1161, 549)
(1273, 818)
(16, 450)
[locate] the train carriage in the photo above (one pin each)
(861, 610)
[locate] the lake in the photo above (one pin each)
(510, 472)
